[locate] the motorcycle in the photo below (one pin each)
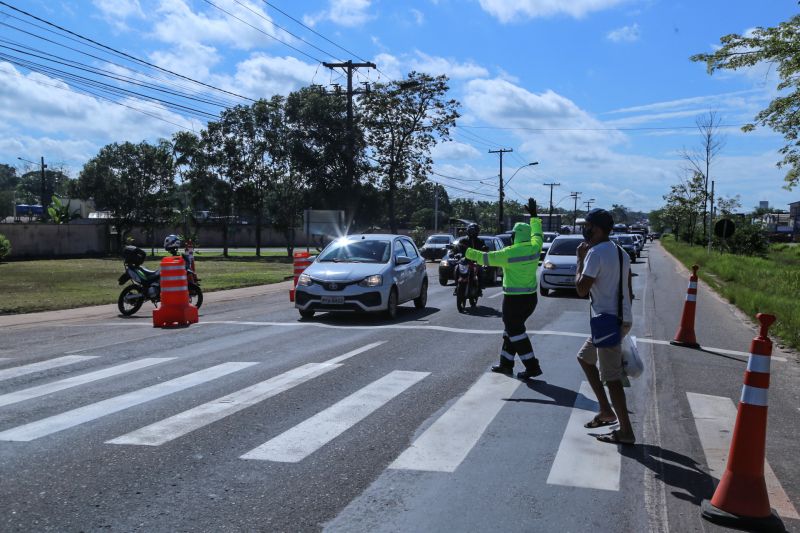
(145, 284)
(467, 284)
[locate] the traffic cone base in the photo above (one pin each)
(685, 344)
(685, 336)
(768, 524)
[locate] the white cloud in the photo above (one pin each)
(419, 16)
(179, 24)
(397, 67)
(453, 150)
(117, 11)
(513, 10)
(262, 75)
(625, 34)
(348, 13)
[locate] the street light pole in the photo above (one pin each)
(575, 196)
(43, 191)
(502, 194)
(550, 216)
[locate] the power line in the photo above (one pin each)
(512, 128)
(126, 55)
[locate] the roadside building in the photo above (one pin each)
(794, 215)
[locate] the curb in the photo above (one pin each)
(110, 310)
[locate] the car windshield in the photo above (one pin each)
(549, 237)
(564, 247)
(624, 240)
(364, 251)
(438, 240)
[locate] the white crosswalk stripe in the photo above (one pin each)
(75, 417)
(14, 372)
(82, 379)
(445, 444)
(581, 460)
(714, 417)
(302, 440)
(176, 426)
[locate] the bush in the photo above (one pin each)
(749, 239)
(5, 246)
(418, 235)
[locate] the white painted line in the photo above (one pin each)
(56, 423)
(714, 417)
(496, 295)
(23, 370)
(82, 379)
(348, 355)
(312, 434)
(446, 443)
(709, 348)
(582, 460)
(176, 426)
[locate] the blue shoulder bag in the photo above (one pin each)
(607, 328)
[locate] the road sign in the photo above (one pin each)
(724, 228)
(328, 223)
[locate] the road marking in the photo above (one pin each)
(348, 355)
(312, 434)
(60, 422)
(17, 371)
(582, 460)
(446, 443)
(496, 295)
(176, 426)
(714, 417)
(74, 381)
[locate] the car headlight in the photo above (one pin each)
(372, 281)
(444, 263)
(304, 280)
(548, 265)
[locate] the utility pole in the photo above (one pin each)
(436, 208)
(500, 222)
(550, 219)
(589, 203)
(711, 218)
(575, 196)
(349, 68)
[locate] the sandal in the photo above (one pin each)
(613, 438)
(598, 422)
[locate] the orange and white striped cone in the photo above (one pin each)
(174, 308)
(741, 500)
(685, 335)
(302, 260)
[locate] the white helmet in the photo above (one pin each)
(172, 243)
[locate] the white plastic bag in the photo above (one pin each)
(631, 361)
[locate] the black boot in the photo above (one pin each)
(505, 367)
(532, 369)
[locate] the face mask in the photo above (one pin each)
(587, 233)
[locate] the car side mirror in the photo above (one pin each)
(402, 260)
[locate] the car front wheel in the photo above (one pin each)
(443, 281)
(391, 305)
(306, 314)
(543, 291)
(422, 300)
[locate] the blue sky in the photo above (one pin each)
(600, 92)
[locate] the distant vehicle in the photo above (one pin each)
(506, 238)
(435, 247)
(548, 237)
(558, 268)
(620, 228)
(639, 238)
(369, 273)
(626, 242)
(491, 275)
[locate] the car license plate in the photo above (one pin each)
(332, 300)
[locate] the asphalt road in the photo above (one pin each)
(255, 421)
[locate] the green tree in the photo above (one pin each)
(620, 214)
(777, 46)
(29, 186)
(8, 177)
(404, 120)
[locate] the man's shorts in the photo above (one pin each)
(610, 357)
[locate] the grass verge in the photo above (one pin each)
(754, 284)
(29, 286)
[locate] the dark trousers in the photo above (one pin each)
(516, 310)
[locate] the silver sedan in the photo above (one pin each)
(366, 273)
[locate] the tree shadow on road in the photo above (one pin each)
(675, 470)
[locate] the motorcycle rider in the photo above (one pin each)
(519, 262)
(472, 240)
(172, 243)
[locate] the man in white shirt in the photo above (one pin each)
(598, 275)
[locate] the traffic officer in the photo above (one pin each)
(519, 263)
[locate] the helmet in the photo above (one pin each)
(172, 243)
(473, 230)
(601, 218)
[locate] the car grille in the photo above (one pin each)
(368, 299)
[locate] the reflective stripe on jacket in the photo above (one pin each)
(518, 261)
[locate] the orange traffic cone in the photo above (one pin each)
(302, 260)
(174, 309)
(685, 334)
(741, 500)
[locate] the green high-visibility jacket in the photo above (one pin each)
(518, 261)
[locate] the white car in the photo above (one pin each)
(363, 273)
(547, 240)
(558, 267)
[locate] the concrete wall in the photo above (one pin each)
(55, 240)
